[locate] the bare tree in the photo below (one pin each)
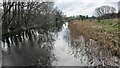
(21, 18)
(119, 10)
(103, 10)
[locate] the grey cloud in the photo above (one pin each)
(72, 4)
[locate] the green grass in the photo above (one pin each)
(106, 21)
(111, 25)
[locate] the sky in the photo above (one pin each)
(83, 7)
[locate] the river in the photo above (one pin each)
(62, 52)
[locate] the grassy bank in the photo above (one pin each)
(105, 32)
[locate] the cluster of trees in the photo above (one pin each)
(80, 17)
(106, 12)
(22, 18)
(100, 11)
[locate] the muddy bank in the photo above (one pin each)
(92, 31)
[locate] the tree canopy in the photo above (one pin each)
(104, 10)
(23, 18)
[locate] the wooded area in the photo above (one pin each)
(23, 18)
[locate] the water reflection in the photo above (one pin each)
(77, 52)
(63, 52)
(58, 49)
(96, 54)
(29, 53)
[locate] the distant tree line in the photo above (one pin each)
(81, 17)
(23, 18)
(102, 12)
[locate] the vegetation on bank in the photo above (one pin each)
(112, 26)
(104, 28)
(105, 33)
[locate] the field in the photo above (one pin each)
(105, 32)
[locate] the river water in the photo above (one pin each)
(63, 51)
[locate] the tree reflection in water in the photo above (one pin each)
(20, 22)
(30, 52)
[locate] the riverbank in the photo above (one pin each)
(104, 33)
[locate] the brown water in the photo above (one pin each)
(63, 51)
